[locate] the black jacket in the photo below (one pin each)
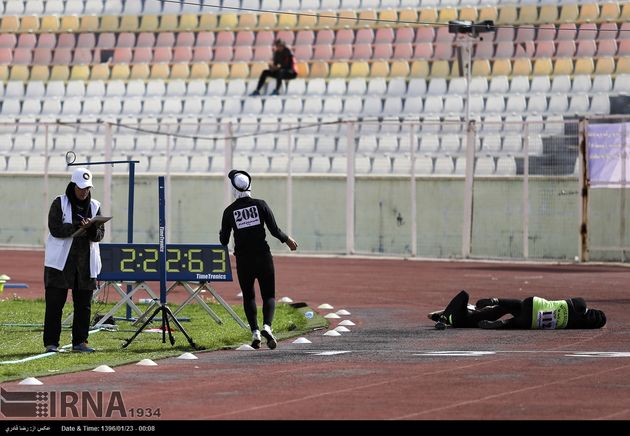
(247, 218)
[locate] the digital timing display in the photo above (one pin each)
(184, 262)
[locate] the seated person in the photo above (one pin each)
(531, 313)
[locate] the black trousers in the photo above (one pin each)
(55, 300)
(249, 269)
(279, 75)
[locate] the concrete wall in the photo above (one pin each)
(382, 213)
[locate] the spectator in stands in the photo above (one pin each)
(72, 262)
(247, 217)
(282, 67)
(531, 313)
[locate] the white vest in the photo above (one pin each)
(57, 249)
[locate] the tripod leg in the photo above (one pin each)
(128, 341)
(164, 326)
(181, 329)
(168, 326)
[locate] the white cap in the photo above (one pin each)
(82, 177)
(241, 182)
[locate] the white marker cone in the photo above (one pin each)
(332, 333)
(342, 312)
(245, 347)
(286, 300)
(341, 329)
(103, 368)
(146, 362)
(346, 322)
(188, 356)
(30, 381)
(332, 315)
(240, 294)
(302, 341)
(325, 306)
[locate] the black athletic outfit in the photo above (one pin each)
(486, 313)
(247, 218)
(283, 59)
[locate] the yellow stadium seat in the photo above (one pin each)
(377, 69)
(129, 23)
(488, 13)
(109, 23)
(187, 23)
(180, 71)
(89, 23)
(220, 70)
(149, 23)
(569, 13)
(501, 67)
(256, 69)
(302, 69)
(342, 69)
(319, 69)
(307, 20)
(399, 69)
(623, 65)
(347, 19)
(199, 71)
(29, 23)
(543, 67)
(388, 17)
(19, 73)
(605, 65)
(140, 71)
(168, 23)
(247, 21)
(624, 16)
(468, 13)
(610, 11)
(584, 66)
(4, 72)
(589, 12)
(563, 66)
(428, 15)
(522, 67)
(327, 19)
(239, 70)
(157, 72)
(447, 14)
(285, 21)
(408, 17)
(420, 68)
(528, 15)
(41, 72)
(367, 18)
(58, 72)
(69, 23)
(481, 68)
(50, 23)
(80, 72)
(10, 24)
(100, 72)
(508, 14)
(228, 21)
(207, 21)
(548, 14)
(120, 72)
(440, 68)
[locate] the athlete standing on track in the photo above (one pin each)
(247, 217)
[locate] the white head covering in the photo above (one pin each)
(82, 177)
(241, 184)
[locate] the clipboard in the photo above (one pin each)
(98, 219)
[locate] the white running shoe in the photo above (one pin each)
(256, 339)
(271, 341)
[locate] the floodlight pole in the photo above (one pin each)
(470, 156)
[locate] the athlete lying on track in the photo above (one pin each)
(530, 313)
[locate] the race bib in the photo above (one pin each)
(246, 217)
(547, 320)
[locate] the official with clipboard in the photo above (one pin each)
(72, 259)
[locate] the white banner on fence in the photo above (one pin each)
(608, 155)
